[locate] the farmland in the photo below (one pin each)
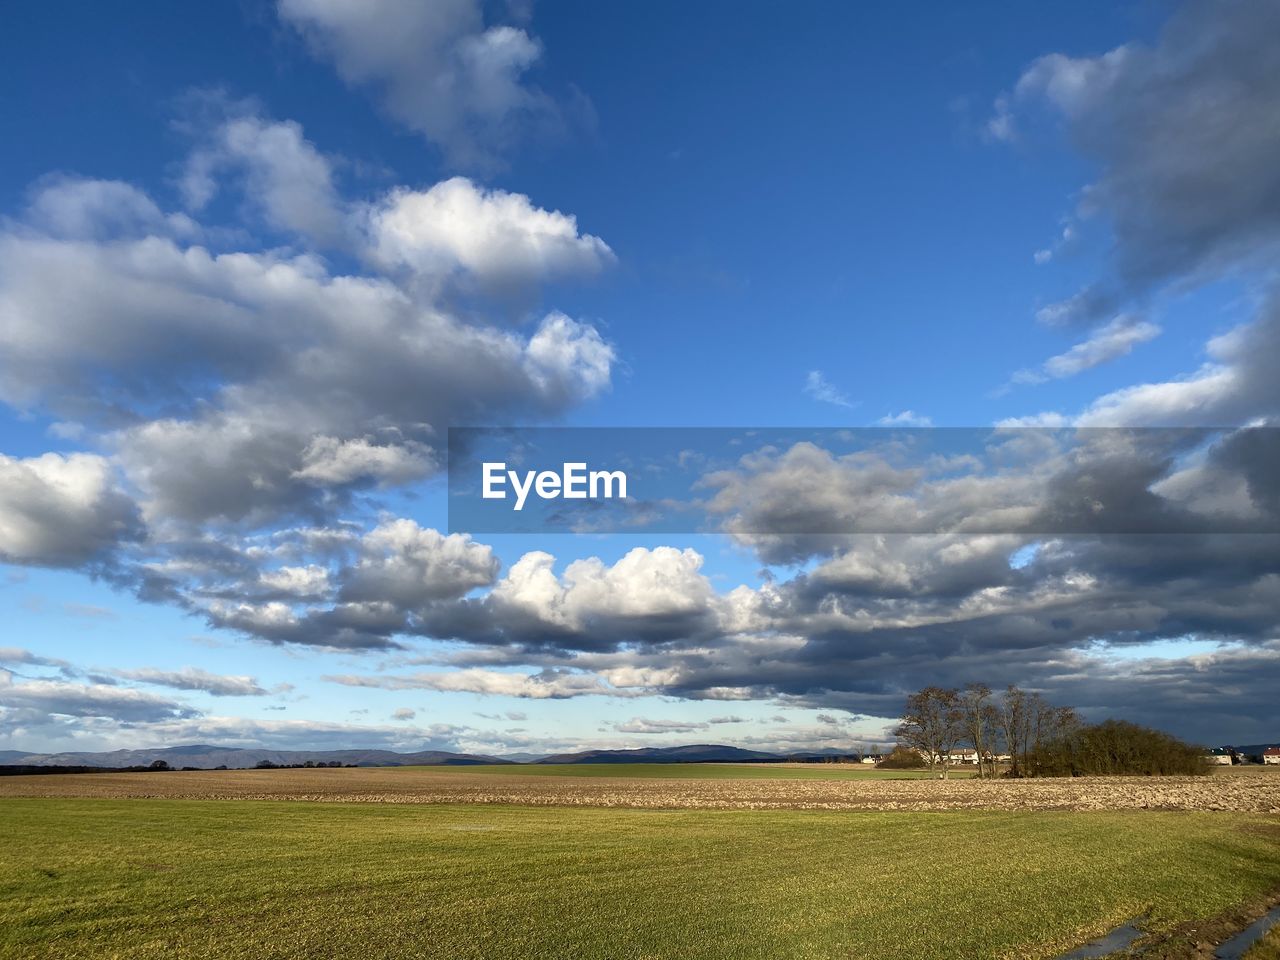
(670, 786)
(88, 878)
(619, 861)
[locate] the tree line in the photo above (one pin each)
(1038, 738)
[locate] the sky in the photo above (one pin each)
(257, 258)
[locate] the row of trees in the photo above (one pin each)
(1038, 738)
(1016, 723)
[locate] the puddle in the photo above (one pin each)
(1235, 948)
(1119, 938)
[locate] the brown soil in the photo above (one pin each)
(390, 785)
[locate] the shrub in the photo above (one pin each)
(902, 758)
(1118, 748)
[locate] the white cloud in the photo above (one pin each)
(645, 725)
(437, 67)
(1237, 385)
(498, 239)
(194, 678)
(907, 418)
(1109, 342)
(285, 387)
(284, 175)
(542, 686)
(87, 700)
(311, 580)
(329, 461)
(62, 510)
(819, 388)
(662, 584)
(409, 566)
(74, 208)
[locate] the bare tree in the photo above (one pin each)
(1012, 719)
(975, 704)
(932, 723)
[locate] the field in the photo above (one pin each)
(695, 786)
(708, 771)
(738, 866)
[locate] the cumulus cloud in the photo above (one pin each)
(409, 566)
(497, 240)
(437, 68)
(808, 499)
(310, 581)
(283, 175)
(648, 596)
(74, 208)
(360, 591)
(249, 395)
(240, 386)
(62, 510)
(328, 461)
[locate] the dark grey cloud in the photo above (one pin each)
(1184, 136)
(1074, 617)
(789, 504)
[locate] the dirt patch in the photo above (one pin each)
(390, 785)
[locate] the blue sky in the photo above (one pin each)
(220, 219)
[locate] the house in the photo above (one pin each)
(871, 758)
(1219, 755)
(963, 755)
(1271, 755)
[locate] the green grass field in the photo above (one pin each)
(698, 771)
(163, 878)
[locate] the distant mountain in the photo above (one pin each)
(207, 757)
(694, 753)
